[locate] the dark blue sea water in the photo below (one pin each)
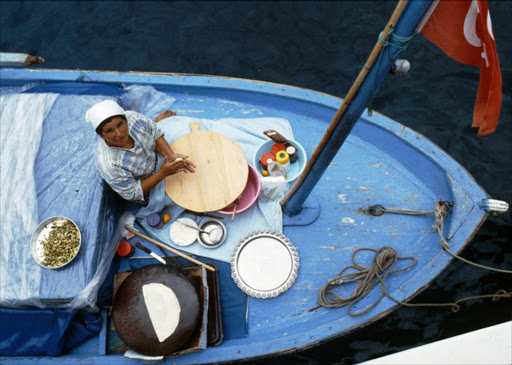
(320, 45)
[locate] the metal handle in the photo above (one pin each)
(189, 226)
(277, 137)
(143, 248)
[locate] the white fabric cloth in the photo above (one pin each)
(263, 215)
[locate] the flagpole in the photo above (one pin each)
(403, 22)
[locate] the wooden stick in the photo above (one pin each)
(234, 211)
(348, 99)
(168, 248)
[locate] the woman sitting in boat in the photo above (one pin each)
(126, 155)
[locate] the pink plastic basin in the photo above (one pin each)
(249, 195)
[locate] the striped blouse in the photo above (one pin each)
(122, 168)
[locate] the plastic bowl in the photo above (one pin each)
(296, 168)
(249, 195)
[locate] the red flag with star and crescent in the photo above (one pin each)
(463, 30)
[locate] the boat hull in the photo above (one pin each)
(382, 162)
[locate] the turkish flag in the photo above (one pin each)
(463, 30)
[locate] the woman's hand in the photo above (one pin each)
(189, 165)
(171, 165)
(164, 114)
(176, 163)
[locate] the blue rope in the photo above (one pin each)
(387, 46)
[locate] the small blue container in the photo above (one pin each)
(296, 168)
(155, 221)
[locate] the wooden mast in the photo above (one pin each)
(403, 22)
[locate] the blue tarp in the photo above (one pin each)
(44, 332)
(52, 175)
(48, 170)
(47, 155)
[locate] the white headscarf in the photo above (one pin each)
(101, 111)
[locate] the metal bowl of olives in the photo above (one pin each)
(55, 242)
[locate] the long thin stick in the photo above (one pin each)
(191, 259)
(346, 102)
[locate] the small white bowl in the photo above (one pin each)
(208, 226)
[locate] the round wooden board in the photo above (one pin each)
(221, 171)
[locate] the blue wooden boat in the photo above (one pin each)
(381, 163)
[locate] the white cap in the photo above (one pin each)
(101, 111)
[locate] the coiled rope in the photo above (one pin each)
(384, 261)
(367, 278)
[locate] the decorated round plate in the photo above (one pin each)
(265, 264)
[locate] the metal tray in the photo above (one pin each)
(41, 233)
(264, 264)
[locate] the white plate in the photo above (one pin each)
(183, 235)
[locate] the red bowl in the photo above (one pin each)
(249, 195)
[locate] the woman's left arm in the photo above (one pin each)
(163, 148)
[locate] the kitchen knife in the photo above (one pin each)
(151, 253)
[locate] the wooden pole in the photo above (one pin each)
(403, 21)
(168, 248)
(348, 99)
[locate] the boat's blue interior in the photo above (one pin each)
(381, 162)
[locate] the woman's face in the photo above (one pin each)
(115, 133)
